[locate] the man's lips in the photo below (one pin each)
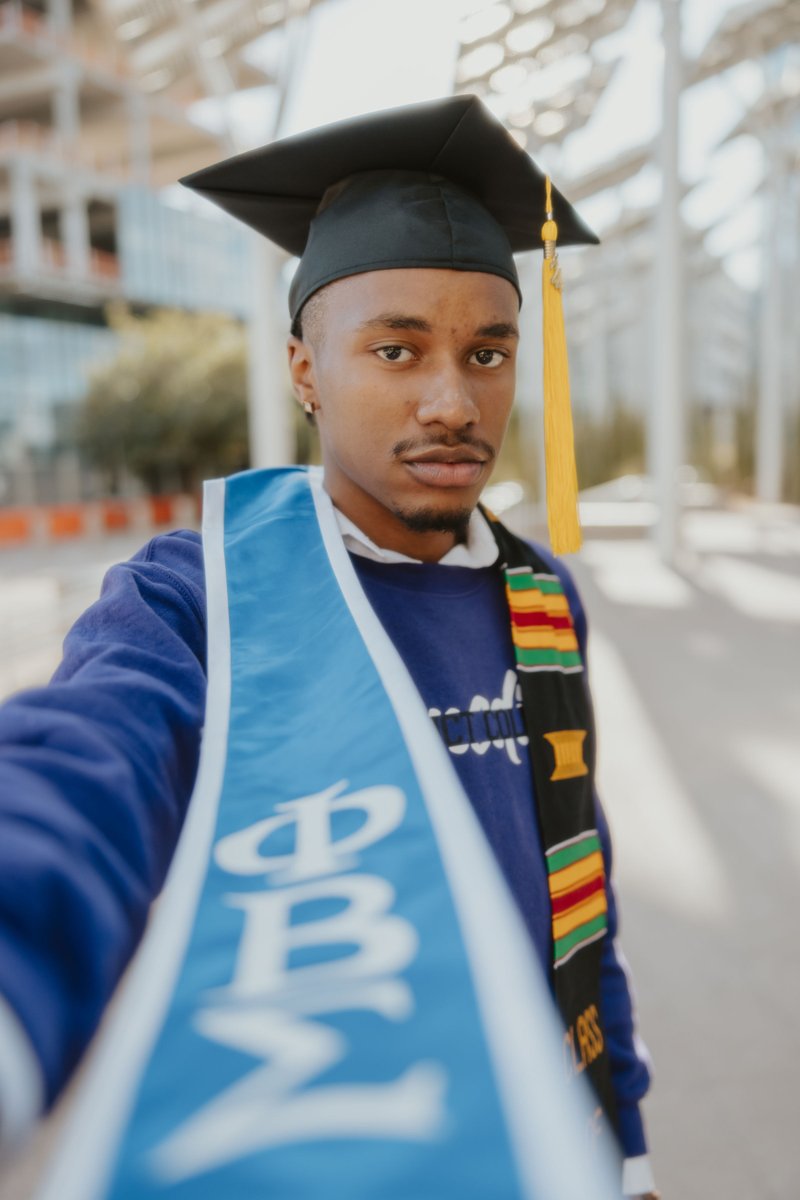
(445, 466)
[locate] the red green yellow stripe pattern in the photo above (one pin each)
(541, 623)
(576, 876)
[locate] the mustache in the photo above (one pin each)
(454, 441)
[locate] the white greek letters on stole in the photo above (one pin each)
(337, 997)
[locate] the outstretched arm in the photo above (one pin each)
(96, 770)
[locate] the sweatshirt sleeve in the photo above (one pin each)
(96, 770)
(630, 1063)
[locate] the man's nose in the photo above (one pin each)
(448, 399)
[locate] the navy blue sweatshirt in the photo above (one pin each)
(97, 768)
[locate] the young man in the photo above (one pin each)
(328, 812)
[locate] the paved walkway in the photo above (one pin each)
(696, 677)
(43, 590)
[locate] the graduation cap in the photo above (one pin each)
(440, 184)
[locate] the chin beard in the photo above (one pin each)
(434, 520)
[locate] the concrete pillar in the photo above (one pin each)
(26, 230)
(529, 395)
(66, 106)
(769, 405)
(666, 434)
(269, 395)
(596, 351)
(139, 138)
(67, 482)
(270, 413)
(23, 477)
(75, 234)
(792, 260)
(59, 15)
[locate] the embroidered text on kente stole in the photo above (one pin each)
(337, 997)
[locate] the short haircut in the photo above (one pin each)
(308, 324)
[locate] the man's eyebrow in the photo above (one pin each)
(503, 329)
(397, 321)
(390, 320)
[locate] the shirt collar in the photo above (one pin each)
(479, 550)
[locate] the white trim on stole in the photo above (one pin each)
(21, 1081)
(546, 1121)
(81, 1168)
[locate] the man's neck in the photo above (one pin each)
(478, 550)
(389, 532)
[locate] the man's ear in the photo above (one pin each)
(301, 373)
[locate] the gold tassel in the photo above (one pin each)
(559, 443)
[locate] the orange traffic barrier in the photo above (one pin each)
(66, 521)
(116, 515)
(15, 526)
(161, 509)
(60, 522)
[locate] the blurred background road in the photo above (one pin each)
(695, 672)
(696, 678)
(43, 591)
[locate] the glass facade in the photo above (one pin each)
(181, 259)
(44, 366)
(168, 257)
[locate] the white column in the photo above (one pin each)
(270, 405)
(75, 233)
(667, 423)
(66, 105)
(59, 15)
(769, 405)
(271, 433)
(139, 138)
(529, 398)
(596, 350)
(792, 340)
(26, 230)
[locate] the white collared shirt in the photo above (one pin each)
(479, 550)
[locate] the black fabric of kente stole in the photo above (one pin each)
(560, 726)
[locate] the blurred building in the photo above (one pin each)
(552, 69)
(82, 145)
(96, 98)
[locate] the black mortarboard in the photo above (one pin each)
(430, 185)
(439, 184)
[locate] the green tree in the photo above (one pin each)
(171, 406)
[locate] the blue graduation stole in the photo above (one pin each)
(336, 997)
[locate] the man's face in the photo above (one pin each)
(412, 376)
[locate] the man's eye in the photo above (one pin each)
(487, 358)
(394, 353)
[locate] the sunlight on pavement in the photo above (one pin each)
(763, 531)
(31, 628)
(39, 600)
(774, 765)
(754, 590)
(662, 849)
(632, 573)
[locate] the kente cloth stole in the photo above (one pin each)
(560, 727)
(337, 998)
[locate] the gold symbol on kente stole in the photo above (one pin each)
(568, 747)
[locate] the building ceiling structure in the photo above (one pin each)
(193, 49)
(541, 65)
(750, 31)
